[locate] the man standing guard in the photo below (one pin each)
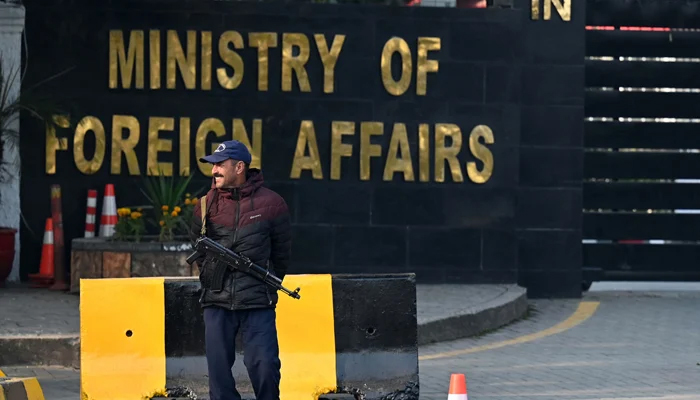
(242, 215)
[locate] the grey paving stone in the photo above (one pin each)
(39, 312)
(637, 346)
(31, 319)
(450, 312)
(437, 302)
(25, 311)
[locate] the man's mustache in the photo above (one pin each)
(218, 176)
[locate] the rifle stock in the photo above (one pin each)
(208, 248)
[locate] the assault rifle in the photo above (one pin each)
(225, 258)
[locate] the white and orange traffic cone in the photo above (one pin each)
(45, 276)
(458, 387)
(91, 215)
(109, 212)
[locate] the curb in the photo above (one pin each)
(20, 388)
(64, 350)
(61, 350)
(494, 314)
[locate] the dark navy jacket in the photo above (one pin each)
(254, 221)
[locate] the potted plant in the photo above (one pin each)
(151, 238)
(10, 107)
(170, 206)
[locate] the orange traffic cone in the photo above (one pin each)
(46, 269)
(109, 212)
(458, 387)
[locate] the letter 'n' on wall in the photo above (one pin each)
(563, 8)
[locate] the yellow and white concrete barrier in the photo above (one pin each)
(12, 388)
(347, 333)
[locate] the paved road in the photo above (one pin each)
(636, 342)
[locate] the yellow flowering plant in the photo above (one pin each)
(130, 224)
(169, 221)
(169, 211)
(187, 212)
(172, 207)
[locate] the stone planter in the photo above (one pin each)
(103, 258)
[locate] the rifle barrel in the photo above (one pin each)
(207, 245)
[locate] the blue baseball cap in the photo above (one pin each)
(229, 149)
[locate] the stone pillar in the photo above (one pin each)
(11, 27)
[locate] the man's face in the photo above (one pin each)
(227, 173)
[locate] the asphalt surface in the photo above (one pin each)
(627, 341)
(642, 342)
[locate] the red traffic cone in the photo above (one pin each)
(458, 387)
(46, 269)
(109, 212)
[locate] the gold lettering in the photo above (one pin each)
(231, 58)
(399, 45)
(54, 143)
(119, 61)
(154, 51)
(126, 146)
(240, 134)
(206, 60)
(89, 123)
(367, 149)
(187, 65)
(535, 9)
(564, 10)
(329, 58)
(184, 146)
(338, 148)
(425, 65)
(482, 153)
(449, 154)
(307, 136)
(295, 63)
(399, 143)
(424, 152)
(398, 158)
(156, 144)
(200, 141)
(263, 41)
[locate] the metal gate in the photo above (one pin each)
(641, 190)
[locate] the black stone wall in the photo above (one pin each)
(551, 154)
(522, 78)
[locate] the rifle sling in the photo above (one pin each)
(204, 215)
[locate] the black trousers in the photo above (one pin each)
(260, 351)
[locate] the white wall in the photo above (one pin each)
(11, 27)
